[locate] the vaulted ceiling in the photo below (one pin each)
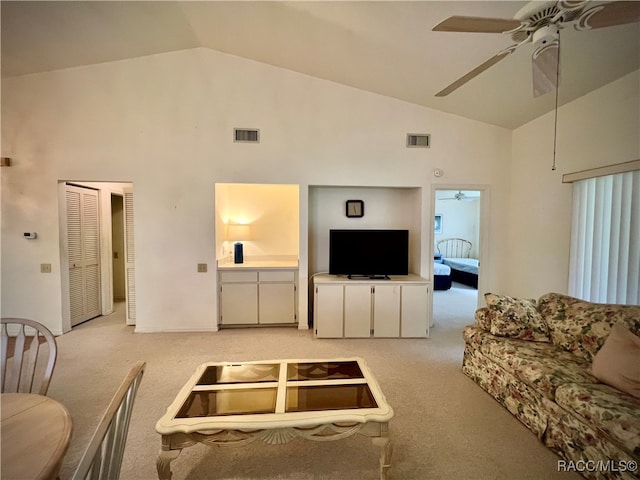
(387, 48)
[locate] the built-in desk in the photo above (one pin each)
(259, 292)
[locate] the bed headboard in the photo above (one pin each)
(454, 247)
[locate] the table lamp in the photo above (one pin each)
(238, 233)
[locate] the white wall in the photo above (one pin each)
(165, 122)
(599, 129)
(460, 219)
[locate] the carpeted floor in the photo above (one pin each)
(445, 426)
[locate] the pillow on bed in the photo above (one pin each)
(516, 318)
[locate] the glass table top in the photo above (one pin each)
(323, 371)
(240, 373)
(254, 388)
(329, 397)
(229, 402)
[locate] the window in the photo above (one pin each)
(605, 239)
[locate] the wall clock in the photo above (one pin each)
(355, 208)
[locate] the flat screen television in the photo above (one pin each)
(371, 253)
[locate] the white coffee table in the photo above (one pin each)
(235, 403)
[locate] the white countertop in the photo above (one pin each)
(259, 264)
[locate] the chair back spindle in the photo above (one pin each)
(102, 460)
(22, 357)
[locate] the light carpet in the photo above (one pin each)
(445, 426)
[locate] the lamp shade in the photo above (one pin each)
(238, 232)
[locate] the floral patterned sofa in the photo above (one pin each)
(544, 362)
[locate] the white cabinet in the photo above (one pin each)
(257, 297)
(239, 304)
(357, 311)
(329, 310)
(276, 303)
(386, 310)
(415, 310)
(364, 308)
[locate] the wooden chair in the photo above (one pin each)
(102, 459)
(454, 247)
(23, 354)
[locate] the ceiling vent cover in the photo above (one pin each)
(418, 140)
(246, 135)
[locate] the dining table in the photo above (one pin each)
(35, 432)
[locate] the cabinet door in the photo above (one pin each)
(276, 303)
(386, 311)
(357, 310)
(415, 315)
(239, 304)
(328, 312)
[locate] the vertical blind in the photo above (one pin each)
(605, 239)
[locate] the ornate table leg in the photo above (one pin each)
(165, 457)
(386, 450)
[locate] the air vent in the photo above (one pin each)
(419, 140)
(245, 135)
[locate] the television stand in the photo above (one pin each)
(370, 277)
(361, 307)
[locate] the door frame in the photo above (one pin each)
(105, 189)
(483, 231)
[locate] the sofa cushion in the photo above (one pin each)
(605, 409)
(483, 318)
(472, 335)
(540, 365)
(516, 318)
(587, 325)
(553, 307)
(617, 363)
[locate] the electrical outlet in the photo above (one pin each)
(202, 268)
(45, 268)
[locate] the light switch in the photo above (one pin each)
(45, 268)
(202, 268)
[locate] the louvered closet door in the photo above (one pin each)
(129, 257)
(83, 240)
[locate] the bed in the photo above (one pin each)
(456, 255)
(441, 276)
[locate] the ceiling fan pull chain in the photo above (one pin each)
(555, 121)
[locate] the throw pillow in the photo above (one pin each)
(617, 363)
(588, 324)
(516, 318)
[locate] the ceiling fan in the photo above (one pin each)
(540, 22)
(460, 196)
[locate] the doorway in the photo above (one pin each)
(117, 247)
(110, 240)
(458, 213)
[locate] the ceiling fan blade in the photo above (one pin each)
(476, 25)
(545, 69)
(475, 72)
(610, 14)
